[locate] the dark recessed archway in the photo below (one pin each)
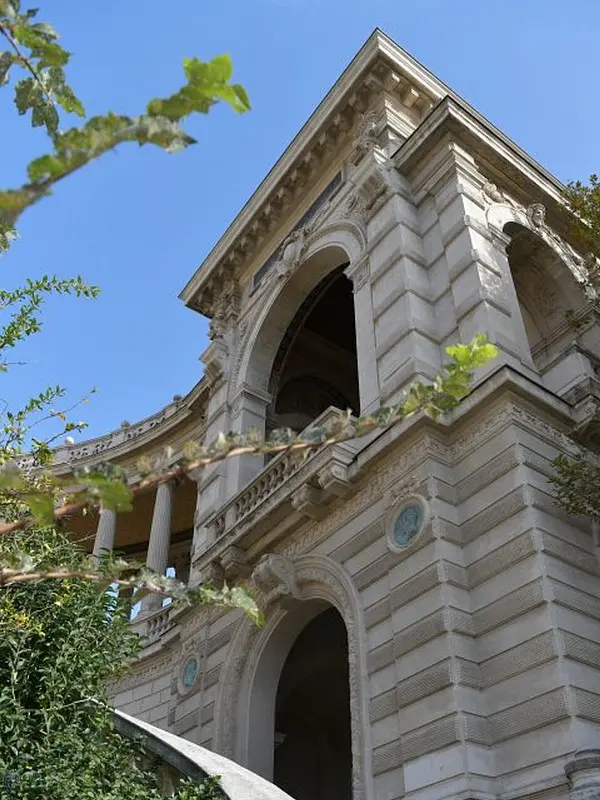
(545, 287)
(316, 363)
(312, 738)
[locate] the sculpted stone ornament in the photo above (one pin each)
(291, 254)
(276, 575)
(366, 137)
(536, 213)
(591, 267)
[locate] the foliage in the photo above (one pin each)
(577, 484)
(106, 485)
(60, 642)
(34, 65)
(44, 92)
(584, 202)
(577, 480)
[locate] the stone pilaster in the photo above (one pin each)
(248, 410)
(481, 284)
(368, 377)
(105, 535)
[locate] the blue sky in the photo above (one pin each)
(139, 222)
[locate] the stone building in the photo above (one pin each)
(432, 618)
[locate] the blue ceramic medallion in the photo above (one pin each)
(408, 524)
(190, 673)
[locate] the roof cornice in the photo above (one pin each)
(380, 65)
(332, 118)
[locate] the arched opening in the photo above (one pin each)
(312, 737)
(546, 289)
(315, 366)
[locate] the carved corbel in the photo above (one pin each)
(366, 137)
(234, 561)
(334, 479)
(213, 574)
(374, 178)
(308, 500)
(215, 359)
(275, 577)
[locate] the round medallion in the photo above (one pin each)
(405, 522)
(190, 673)
(408, 524)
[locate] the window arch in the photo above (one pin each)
(316, 363)
(546, 288)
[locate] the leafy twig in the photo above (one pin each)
(25, 61)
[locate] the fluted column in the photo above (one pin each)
(105, 534)
(160, 537)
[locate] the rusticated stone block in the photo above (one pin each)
(381, 657)
(429, 738)
(492, 516)
(383, 705)
(387, 757)
(580, 649)
(418, 634)
(528, 716)
(500, 559)
(519, 659)
(415, 586)
(508, 607)
(486, 474)
(424, 683)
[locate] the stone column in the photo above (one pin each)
(160, 538)
(583, 773)
(105, 534)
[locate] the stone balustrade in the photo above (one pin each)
(272, 480)
(152, 625)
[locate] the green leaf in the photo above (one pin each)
(208, 82)
(6, 62)
(48, 52)
(27, 94)
(41, 507)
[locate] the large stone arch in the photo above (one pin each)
(339, 242)
(500, 215)
(247, 689)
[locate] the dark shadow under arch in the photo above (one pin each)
(315, 365)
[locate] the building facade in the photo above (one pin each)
(432, 617)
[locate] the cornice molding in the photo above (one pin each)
(127, 440)
(380, 67)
